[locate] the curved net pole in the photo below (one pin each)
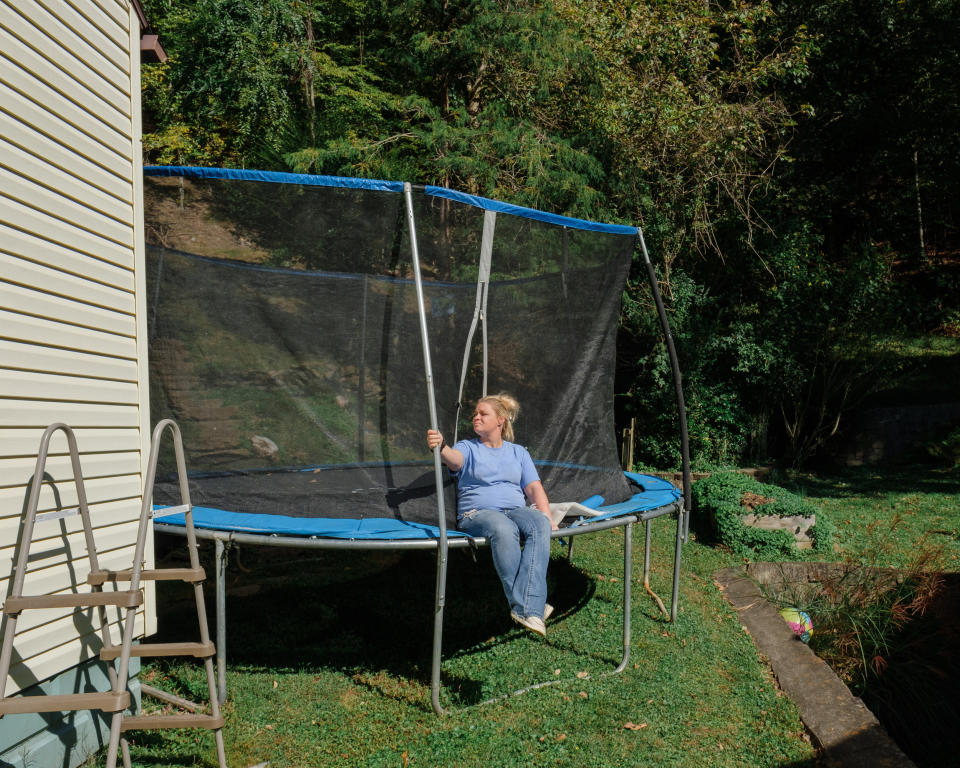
(677, 384)
(442, 549)
(479, 313)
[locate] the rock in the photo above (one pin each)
(265, 447)
(797, 526)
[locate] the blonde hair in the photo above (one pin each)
(507, 408)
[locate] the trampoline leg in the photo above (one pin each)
(646, 569)
(681, 533)
(627, 579)
(221, 556)
(438, 628)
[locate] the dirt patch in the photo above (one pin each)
(751, 500)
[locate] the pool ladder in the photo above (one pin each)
(116, 701)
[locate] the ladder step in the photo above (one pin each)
(127, 598)
(154, 722)
(199, 650)
(190, 575)
(67, 702)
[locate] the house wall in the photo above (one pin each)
(73, 345)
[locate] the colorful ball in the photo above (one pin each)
(799, 622)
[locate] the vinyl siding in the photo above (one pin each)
(72, 306)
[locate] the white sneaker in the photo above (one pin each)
(547, 611)
(533, 623)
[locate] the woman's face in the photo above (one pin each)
(486, 423)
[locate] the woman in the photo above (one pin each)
(500, 497)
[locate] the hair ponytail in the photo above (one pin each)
(507, 408)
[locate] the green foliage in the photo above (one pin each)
(884, 96)
(890, 635)
(725, 497)
(780, 270)
(946, 449)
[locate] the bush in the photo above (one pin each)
(725, 497)
(946, 449)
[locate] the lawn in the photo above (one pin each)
(329, 654)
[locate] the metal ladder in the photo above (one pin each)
(117, 700)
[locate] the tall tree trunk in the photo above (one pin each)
(916, 182)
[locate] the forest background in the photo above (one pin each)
(794, 165)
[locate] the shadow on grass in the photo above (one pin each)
(365, 614)
(913, 690)
(877, 481)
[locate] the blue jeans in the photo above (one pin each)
(522, 569)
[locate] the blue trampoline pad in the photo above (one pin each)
(654, 493)
(325, 527)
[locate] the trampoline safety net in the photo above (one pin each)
(285, 339)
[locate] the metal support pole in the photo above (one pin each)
(681, 535)
(221, 582)
(627, 594)
(442, 548)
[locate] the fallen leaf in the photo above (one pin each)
(634, 726)
(583, 675)
(562, 737)
(275, 683)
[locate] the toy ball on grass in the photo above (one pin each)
(799, 622)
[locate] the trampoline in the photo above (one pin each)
(306, 330)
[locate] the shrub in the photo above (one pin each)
(725, 497)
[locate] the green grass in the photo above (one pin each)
(329, 655)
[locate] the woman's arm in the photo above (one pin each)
(538, 498)
(449, 456)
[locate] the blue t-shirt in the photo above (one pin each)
(493, 478)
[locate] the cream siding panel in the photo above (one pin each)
(50, 571)
(74, 644)
(110, 40)
(68, 117)
(20, 106)
(41, 277)
(28, 219)
(27, 138)
(98, 490)
(69, 362)
(29, 384)
(37, 413)
(76, 214)
(49, 332)
(112, 16)
(26, 442)
(36, 143)
(31, 301)
(32, 248)
(81, 41)
(19, 470)
(47, 60)
(39, 171)
(108, 514)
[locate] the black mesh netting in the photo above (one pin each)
(285, 341)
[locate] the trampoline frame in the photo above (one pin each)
(226, 540)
